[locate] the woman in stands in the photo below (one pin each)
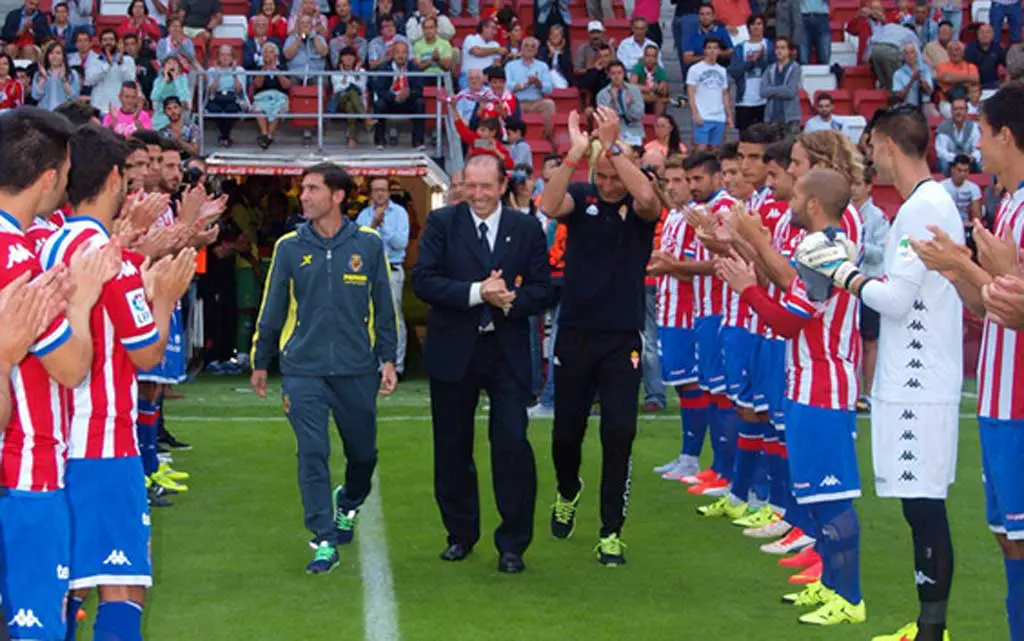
(666, 137)
(278, 24)
(55, 83)
(555, 52)
(172, 81)
(11, 95)
(271, 95)
(141, 24)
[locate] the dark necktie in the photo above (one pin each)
(485, 313)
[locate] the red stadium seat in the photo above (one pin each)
(887, 199)
(235, 7)
(837, 28)
(566, 100)
(842, 102)
(806, 109)
(303, 100)
(859, 77)
(867, 101)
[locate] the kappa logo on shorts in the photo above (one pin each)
(913, 383)
(915, 364)
(920, 578)
(915, 344)
(829, 481)
(25, 619)
(907, 455)
(117, 557)
(920, 306)
(907, 435)
(908, 415)
(915, 325)
(907, 476)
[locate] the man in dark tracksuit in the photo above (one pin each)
(328, 309)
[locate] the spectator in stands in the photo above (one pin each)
(139, 23)
(988, 56)
(747, 66)
(61, 28)
(431, 52)
(386, 8)
(305, 50)
(586, 52)
(871, 17)
(732, 13)
(337, 24)
(547, 13)
(885, 51)
(349, 85)
(596, 77)
(597, 10)
(277, 23)
(965, 192)
(513, 42)
(823, 120)
(556, 55)
(171, 83)
(780, 86)
(11, 93)
(631, 50)
(522, 153)
(483, 136)
(973, 99)
(709, 28)
(952, 75)
(128, 116)
(381, 48)
(24, 31)
(472, 8)
(200, 17)
(145, 62)
(667, 139)
(225, 82)
(351, 39)
(177, 44)
(913, 83)
(80, 14)
(252, 48)
(480, 50)
(519, 196)
(652, 80)
(176, 126)
(875, 234)
(24, 76)
(1015, 62)
(994, 195)
(530, 81)
(1008, 11)
(707, 87)
(650, 11)
(312, 10)
(957, 136)
(627, 101)
(78, 57)
(475, 94)
(921, 22)
(107, 72)
(951, 11)
(426, 9)
(270, 94)
(935, 51)
(817, 32)
(398, 94)
(504, 105)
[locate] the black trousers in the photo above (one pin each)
(591, 362)
(746, 116)
(513, 470)
(407, 107)
(220, 318)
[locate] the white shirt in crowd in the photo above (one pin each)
(106, 77)
(709, 82)
(469, 61)
(752, 81)
(817, 124)
(963, 195)
(629, 52)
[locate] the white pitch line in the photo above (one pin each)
(413, 419)
(380, 610)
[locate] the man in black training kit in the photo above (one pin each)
(599, 345)
(483, 269)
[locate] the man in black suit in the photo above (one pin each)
(483, 269)
(398, 94)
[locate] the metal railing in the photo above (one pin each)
(321, 80)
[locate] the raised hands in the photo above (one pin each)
(1004, 301)
(91, 269)
(27, 309)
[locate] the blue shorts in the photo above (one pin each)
(710, 133)
(738, 358)
(171, 369)
(1002, 450)
(109, 522)
(36, 554)
(678, 351)
(769, 380)
(822, 453)
(710, 371)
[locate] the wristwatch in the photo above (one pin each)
(614, 150)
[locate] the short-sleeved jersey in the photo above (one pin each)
(675, 295)
(33, 447)
(822, 361)
(771, 213)
(104, 405)
(38, 232)
(1001, 362)
(606, 254)
(707, 290)
(735, 312)
(920, 354)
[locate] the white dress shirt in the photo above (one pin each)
(492, 236)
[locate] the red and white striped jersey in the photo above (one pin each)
(822, 361)
(104, 405)
(675, 295)
(1001, 361)
(707, 290)
(33, 447)
(771, 212)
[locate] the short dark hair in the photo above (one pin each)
(130, 84)
(703, 159)
(78, 112)
(1002, 109)
(754, 17)
(111, 32)
(907, 127)
(707, 5)
(172, 100)
(616, 63)
(484, 23)
(962, 159)
(148, 137)
(132, 144)
(131, 4)
(823, 95)
(495, 72)
(637, 19)
(129, 36)
(34, 142)
(656, 48)
(95, 152)
(552, 157)
(781, 153)
(490, 124)
(786, 39)
(946, 23)
(387, 17)
(714, 41)
(760, 133)
(336, 178)
(729, 151)
(515, 124)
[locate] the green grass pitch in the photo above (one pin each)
(229, 557)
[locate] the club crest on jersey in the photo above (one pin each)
(634, 358)
(355, 262)
(904, 250)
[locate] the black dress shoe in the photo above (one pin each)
(456, 552)
(510, 563)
